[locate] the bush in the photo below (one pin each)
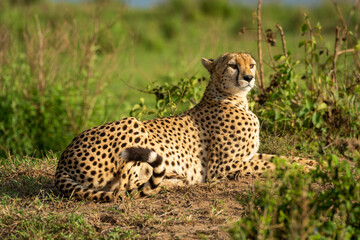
(307, 91)
(42, 106)
(31, 120)
(34, 118)
(291, 205)
(26, 2)
(170, 98)
(218, 8)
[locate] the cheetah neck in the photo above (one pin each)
(213, 95)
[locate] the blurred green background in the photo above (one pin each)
(65, 67)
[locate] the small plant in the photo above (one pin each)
(32, 225)
(183, 94)
(41, 107)
(324, 203)
(310, 94)
(313, 89)
(118, 233)
(216, 208)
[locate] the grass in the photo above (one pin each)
(32, 208)
(86, 63)
(71, 63)
(322, 204)
(64, 71)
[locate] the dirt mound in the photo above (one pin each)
(191, 212)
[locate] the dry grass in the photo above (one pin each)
(31, 207)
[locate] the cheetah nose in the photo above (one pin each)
(248, 77)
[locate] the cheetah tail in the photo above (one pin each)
(71, 188)
(139, 154)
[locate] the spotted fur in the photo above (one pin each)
(217, 139)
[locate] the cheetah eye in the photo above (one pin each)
(232, 65)
(252, 66)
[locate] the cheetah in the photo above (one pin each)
(217, 139)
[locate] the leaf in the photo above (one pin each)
(357, 47)
(282, 58)
(322, 106)
(357, 90)
(302, 43)
(304, 28)
(313, 41)
(279, 57)
(309, 104)
(316, 119)
(328, 227)
(318, 26)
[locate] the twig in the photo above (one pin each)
(182, 93)
(259, 31)
(345, 33)
(342, 20)
(336, 49)
(311, 37)
(356, 7)
(135, 88)
(349, 50)
(268, 47)
(344, 37)
(41, 77)
(283, 41)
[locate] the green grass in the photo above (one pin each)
(85, 63)
(321, 205)
(64, 71)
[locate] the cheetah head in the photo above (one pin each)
(232, 73)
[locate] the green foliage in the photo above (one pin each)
(75, 50)
(26, 2)
(41, 107)
(183, 94)
(50, 227)
(171, 27)
(323, 204)
(195, 10)
(220, 8)
(186, 9)
(308, 92)
(27, 122)
(53, 66)
(117, 233)
(307, 95)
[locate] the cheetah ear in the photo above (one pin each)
(208, 64)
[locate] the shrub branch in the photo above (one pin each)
(260, 60)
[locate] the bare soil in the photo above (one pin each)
(204, 211)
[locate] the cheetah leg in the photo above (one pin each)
(218, 170)
(260, 163)
(308, 164)
(255, 167)
(139, 154)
